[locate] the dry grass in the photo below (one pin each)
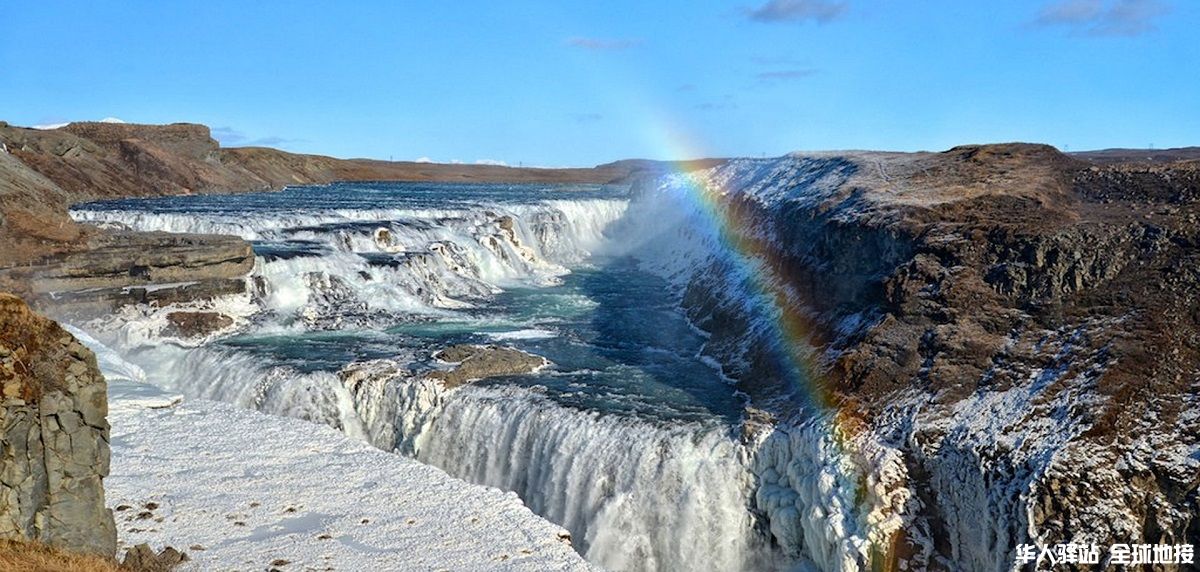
(36, 557)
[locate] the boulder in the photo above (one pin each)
(142, 558)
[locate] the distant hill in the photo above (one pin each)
(1115, 156)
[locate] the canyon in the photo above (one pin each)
(944, 355)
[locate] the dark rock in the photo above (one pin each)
(142, 558)
(196, 324)
(481, 362)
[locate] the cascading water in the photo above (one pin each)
(620, 484)
(628, 440)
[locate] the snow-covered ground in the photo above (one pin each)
(242, 490)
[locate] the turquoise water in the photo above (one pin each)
(618, 343)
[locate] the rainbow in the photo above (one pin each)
(761, 270)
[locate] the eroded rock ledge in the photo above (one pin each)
(136, 268)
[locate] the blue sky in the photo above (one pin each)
(559, 83)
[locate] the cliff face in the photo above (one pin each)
(54, 449)
(1015, 329)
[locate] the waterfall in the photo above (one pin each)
(220, 374)
(636, 494)
(636, 497)
(339, 267)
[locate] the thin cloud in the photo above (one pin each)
(227, 135)
(726, 102)
(270, 141)
(491, 162)
(1103, 17)
(776, 60)
(59, 124)
(785, 75)
(819, 11)
(230, 137)
(603, 44)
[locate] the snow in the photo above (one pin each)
(241, 490)
(48, 126)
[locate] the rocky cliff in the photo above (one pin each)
(54, 450)
(1004, 340)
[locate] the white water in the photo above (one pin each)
(616, 484)
(244, 380)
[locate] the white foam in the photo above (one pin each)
(527, 334)
(439, 259)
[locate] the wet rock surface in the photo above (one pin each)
(196, 324)
(472, 363)
(54, 449)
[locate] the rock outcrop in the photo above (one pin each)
(54, 450)
(471, 363)
(142, 558)
(123, 267)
